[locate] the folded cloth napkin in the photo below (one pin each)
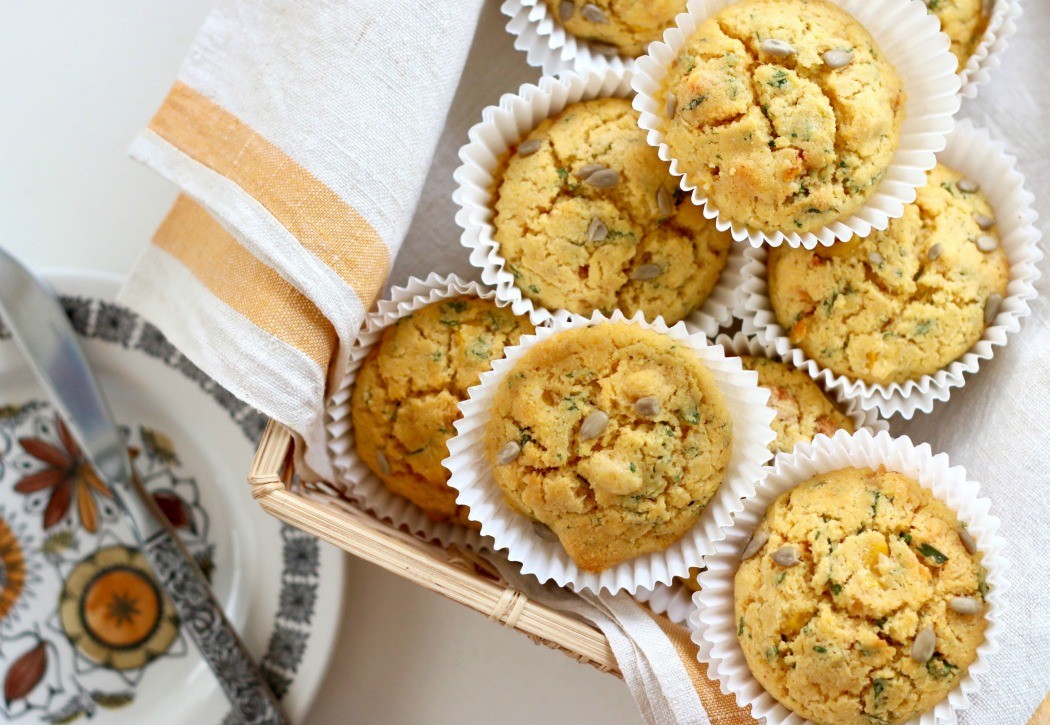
(300, 134)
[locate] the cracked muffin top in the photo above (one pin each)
(623, 26)
(901, 303)
(614, 436)
(860, 599)
(588, 218)
(802, 409)
(784, 113)
(407, 391)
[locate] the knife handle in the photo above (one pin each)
(201, 615)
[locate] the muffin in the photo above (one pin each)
(614, 436)
(901, 303)
(588, 218)
(860, 599)
(617, 26)
(406, 393)
(784, 113)
(802, 408)
(963, 21)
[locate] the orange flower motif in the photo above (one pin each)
(68, 474)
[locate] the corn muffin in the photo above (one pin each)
(902, 303)
(617, 26)
(963, 21)
(802, 409)
(588, 218)
(860, 599)
(404, 399)
(784, 113)
(614, 436)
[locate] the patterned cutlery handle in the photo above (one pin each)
(202, 616)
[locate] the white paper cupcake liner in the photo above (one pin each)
(1002, 24)
(714, 620)
(912, 41)
(675, 600)
(970, 151)
(549, 46)
(355, 477)
(501, 128)
(547, 560)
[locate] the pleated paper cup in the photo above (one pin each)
(714, 622)
(355, 478)
(502, 128)
(675, 600)
(549, 46)
(909, 37)
(972, 152)
(1002, 24)
(546, 559)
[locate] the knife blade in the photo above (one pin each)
(43, 332)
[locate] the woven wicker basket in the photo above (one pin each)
(459, 575)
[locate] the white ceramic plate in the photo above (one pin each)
(83, 630)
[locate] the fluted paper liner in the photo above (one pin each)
(355, 477)
(547, 560)
(714, 622)
(549, 46)
(1002, 24)
(503, 127)
(972, 152)
(675, 600)
(909, 37)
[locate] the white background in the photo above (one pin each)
(77, 81)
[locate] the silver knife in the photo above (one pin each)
(44, 333)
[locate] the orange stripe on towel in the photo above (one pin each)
(721, 709)
(240, 280)
(322, 222)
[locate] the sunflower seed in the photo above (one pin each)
(968, 187)
(646, 272)
(592, 12)
(584, 172)
(991, 309)
(875, 258)
(604, 178)
(786, 556)
(596, 230)
(605, 48)
(987, 244)
(967, 541)
(528, 148)
(383, 463)
(925, 643)
(984, 221)
(838, 58)
(508, 453)
(593, 425)
(965, 605)
(566, 10)
(647, 406)
(671, 105)
(663, 202)
(758, 540)
(777, 48)
(935, 251)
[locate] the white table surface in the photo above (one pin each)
(77, 81)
